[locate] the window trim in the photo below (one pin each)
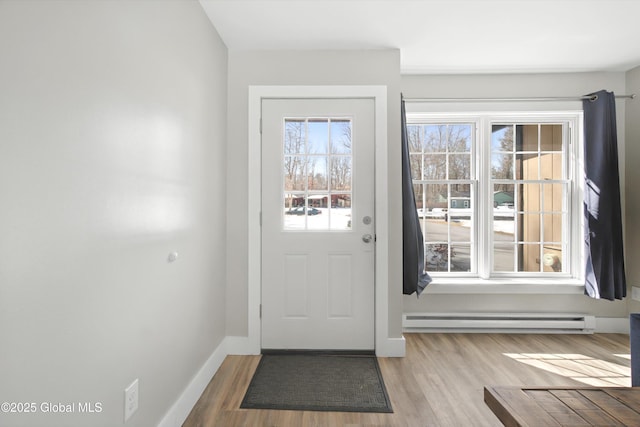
(483, 280)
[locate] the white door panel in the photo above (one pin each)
(317, 216)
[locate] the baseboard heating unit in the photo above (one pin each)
(499, 322)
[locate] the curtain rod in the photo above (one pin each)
(534, 98)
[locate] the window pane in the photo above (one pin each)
(318, 136)
(460, 203)
(552, 259)
(459, 166)
(435, 166)
(341, 173)
(461, 230)
(461, 258)
(437, 256)
(527, 138)
(435, 197)
(527, 166)
(294, 173)
(553, 196)
(341, 136)
(317, 213)
(295, 218)
(317, 173)
(435, 138)
(502, 166)
(504, 257)
(295, 132)
(435, 229)
(340, 212)
(458, 138)
(503, 195)
(503, 211)
(502, 138)
(551, 138)
(504, 220)
(529, 197)
(551, 166)
(529, 228)
(414, 137)
(552, 224)
(529, 259)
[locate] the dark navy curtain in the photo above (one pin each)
(415, 278)
(605, 276)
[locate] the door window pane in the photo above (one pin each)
(294, 173)
(340, 136)
(340, 212)
(341, 173)
(318, 141)
(317, 173)
(295, 136)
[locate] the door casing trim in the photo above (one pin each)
(384, 346)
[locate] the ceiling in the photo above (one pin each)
(445, 36)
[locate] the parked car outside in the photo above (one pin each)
(439, 213)
(300, 210)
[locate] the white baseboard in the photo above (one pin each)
(391, 347)
(180, 410)
(612, 325)
(241, 345)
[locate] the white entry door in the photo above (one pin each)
(318, 225)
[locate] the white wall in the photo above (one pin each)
(632, 155)
(516, 85)
(112, 155)
(365, 67)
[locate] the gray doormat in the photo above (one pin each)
(318, 382)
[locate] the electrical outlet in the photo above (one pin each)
(130, 399)
(635, 293)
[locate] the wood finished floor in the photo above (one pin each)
(439, 382)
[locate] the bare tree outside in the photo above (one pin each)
(340, 168)
(295, 158)
(503, 167)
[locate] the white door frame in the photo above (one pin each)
(383, 345)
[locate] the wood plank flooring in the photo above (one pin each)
(439, 383)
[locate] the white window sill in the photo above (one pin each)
(462, 285)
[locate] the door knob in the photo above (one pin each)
(367, 238)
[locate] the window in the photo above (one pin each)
(497, 194)
(317, 174)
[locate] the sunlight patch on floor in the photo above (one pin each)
(594, 372)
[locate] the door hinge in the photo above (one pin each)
(260, 218)
(261, 311)
(260, 125)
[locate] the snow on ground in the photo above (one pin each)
(500, 226)
(328, 219)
